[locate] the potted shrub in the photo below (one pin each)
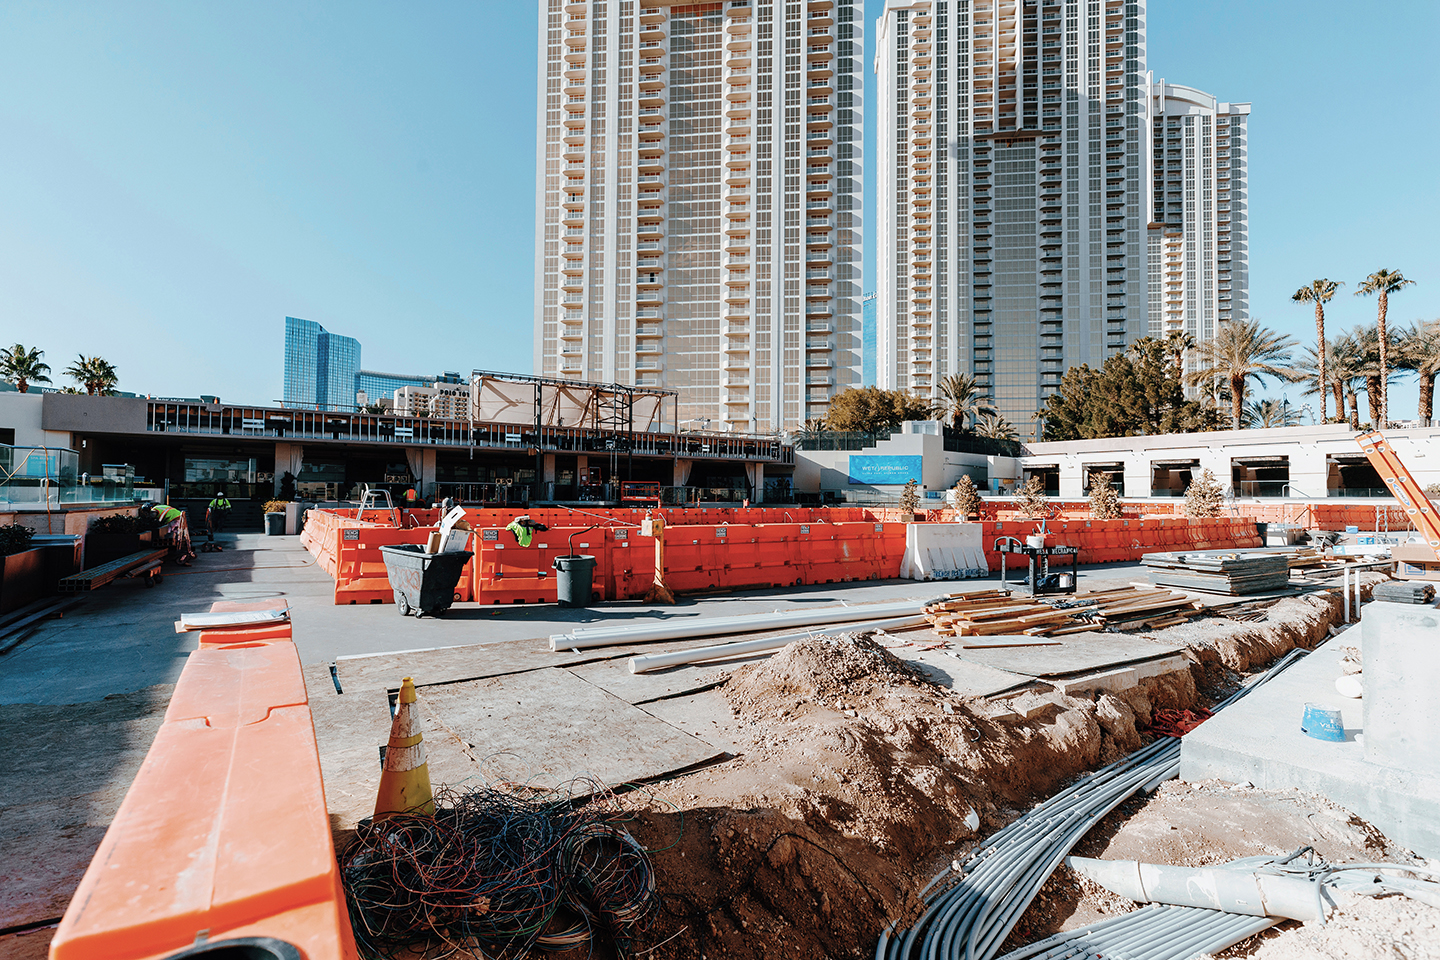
(22, 568)
(113, 537)
(275, 517)
(909, 500)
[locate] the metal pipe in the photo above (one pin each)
(755, 623)
(657, 661)
(1345, 590)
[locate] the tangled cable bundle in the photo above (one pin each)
(499, 873)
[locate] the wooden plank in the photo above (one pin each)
(54, 607)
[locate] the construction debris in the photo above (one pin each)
(1236, 574)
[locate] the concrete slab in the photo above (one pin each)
(1258, 739)
(705, 716)
(614, 676)
(1082, 653)
(551, 726)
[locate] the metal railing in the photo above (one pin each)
(292, 424)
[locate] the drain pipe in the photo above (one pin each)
(1215, 888)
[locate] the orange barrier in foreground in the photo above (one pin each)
(224, 833)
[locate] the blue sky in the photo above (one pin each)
(177, 178)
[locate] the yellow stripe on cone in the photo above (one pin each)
(405, 781)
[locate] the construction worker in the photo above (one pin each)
(524, 529)
(216, 512)
(178, 535)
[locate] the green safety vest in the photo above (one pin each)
(522, 532)
(220, 503)
(167, 514)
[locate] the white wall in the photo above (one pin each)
(21, 412)
(828, 470)
(1306, 447)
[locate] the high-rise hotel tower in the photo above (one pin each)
(698, 202)
(1024, 154)
(1199, 261)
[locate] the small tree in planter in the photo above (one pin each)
(14, 538)
(909, 500)
(1203, 497)
(1031, 502)
(965, 498)
(1104, 501)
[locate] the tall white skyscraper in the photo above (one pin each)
(1199, 223)
(1011, 191)
(698, 202)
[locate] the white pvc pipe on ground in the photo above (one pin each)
(658, 661)
(756, 623)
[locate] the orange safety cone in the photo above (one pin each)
(405, 781)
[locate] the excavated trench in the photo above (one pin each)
(860, 779)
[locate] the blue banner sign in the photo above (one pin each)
(885, 470)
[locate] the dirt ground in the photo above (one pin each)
(859, 780)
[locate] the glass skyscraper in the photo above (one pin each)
(320, 367)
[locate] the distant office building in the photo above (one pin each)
(441, 400)
(382, 386)
(698, 208)
(322, 371)
(320, 367)
(867, 340)
(1199, 261)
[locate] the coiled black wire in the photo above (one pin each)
(500, 872)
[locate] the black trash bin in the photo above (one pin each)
(424, 583)
(275, 524)
(573, 581)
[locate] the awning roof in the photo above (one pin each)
(1174, 463)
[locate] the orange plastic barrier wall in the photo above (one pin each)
(224, 830)
(1106, 541)
(698, 558)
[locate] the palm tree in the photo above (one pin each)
(1271, 413)
(960, 400)
(1176, 343)
(1419, 350)
(996, 427)
(23, 366)
(1347, 371)
(1382, 283)
(95, 374)
(1241, 351)
(1367, 341)
(1319, 293)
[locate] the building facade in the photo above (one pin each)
(320, 367)
(698, 202)
(440, 399)
(1012, 182)
(1198, 258)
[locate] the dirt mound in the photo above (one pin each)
(823, 668)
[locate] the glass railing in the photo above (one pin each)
(41, 475)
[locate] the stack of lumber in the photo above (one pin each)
(1235, 574)
(96, 577)
(995, 613)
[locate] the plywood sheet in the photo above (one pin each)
(962, 676)
(550, 726)
(1078, 654)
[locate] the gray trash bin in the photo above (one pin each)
(424, 583)
(573, 581)
(275, 524)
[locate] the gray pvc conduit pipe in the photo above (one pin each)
(658, 661)
(971, 917)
